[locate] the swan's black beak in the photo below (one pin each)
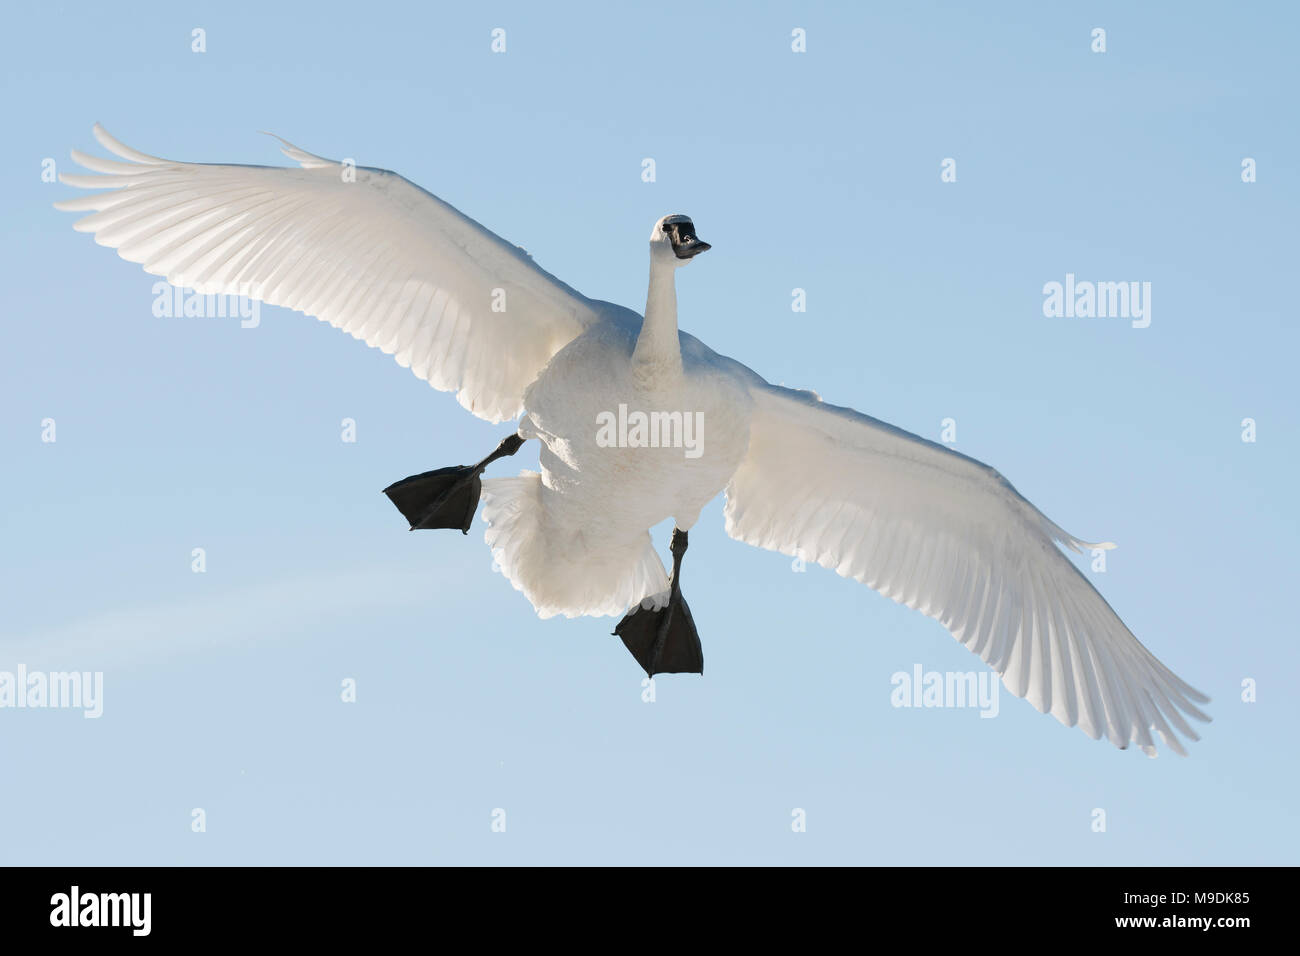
(691, 248)
(681, 232)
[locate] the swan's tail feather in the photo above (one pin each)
(559, 569)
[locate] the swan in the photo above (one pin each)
(637, 422)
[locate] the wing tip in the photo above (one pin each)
(300, 156)
(119, 148)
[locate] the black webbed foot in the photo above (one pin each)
(445, 498)
(663, 641)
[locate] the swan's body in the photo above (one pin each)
(599, 560)
(389, 263)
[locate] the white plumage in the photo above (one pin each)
(387, 262)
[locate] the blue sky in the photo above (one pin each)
(818, 171)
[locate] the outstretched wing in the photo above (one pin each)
(360, 248)
(950, 537)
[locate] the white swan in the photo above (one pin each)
(375, 255)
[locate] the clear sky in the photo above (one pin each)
(818, 170)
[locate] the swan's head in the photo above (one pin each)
(673, 239)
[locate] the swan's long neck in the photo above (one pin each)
(657, 360)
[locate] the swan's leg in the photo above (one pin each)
(665, 641)
(447, 497)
